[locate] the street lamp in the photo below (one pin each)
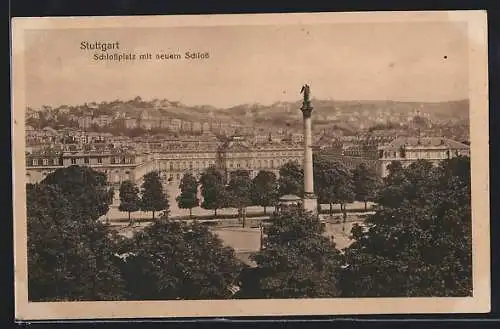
(261, 227)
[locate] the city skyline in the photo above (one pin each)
(363, 101)
(248, 64)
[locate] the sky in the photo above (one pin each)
(252, 64)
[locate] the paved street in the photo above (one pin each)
(248, 239)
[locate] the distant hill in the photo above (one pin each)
(282, 112)
(457, 109)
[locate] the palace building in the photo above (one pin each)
(171, 157)
(410, 149)
(240, 153)
(118, 164)
(377, 154)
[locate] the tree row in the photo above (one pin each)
(334, 184)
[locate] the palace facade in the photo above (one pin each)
(239, 153)
(378, 156)
(171, 157)
(123, 158)
(410, 149)
(117, 164)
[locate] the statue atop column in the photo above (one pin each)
(306, 90)
(306, 103)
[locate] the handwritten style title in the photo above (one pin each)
(112, 51)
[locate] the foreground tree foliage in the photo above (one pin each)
(153, 197)
(188, 199)
(70, 255)
(129, 198)
(297, 261)
(291, 179)
(239, 192)
(265, 189)
(175, 260)
(419, 241)
(333, 183)
(86, 189)
(213, 189)
(366, 184)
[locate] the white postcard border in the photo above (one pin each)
(478, 92)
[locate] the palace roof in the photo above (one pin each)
(433, 142)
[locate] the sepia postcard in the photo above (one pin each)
(250, 165)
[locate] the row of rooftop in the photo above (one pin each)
(348, 146)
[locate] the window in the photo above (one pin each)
(45, 162)
(402, 152)
(86, 161)
(55, 162)
(35, 162)
(99, 160)
(73, 160)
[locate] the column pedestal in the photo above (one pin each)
(310, 204)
